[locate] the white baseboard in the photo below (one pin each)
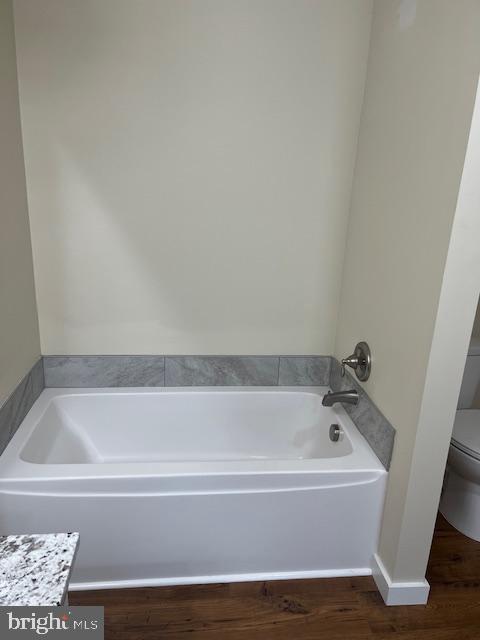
(398, 593)
(230, 577)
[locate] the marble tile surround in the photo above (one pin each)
(18, 404)
(184, 371)
(104, 371)
(304, 370)
(153, 371)
(371, 423)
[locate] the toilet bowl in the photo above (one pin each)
(460, 501)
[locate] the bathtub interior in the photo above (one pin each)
(175, 425)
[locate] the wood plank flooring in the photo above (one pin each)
(328, 609)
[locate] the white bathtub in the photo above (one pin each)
(171, 486)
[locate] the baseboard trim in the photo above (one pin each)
(398, 593)
(214, 579)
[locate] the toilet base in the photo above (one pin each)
(460, 504)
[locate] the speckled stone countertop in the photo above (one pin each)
(35, 569)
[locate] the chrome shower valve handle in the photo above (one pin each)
(352, 361)
(360, 361)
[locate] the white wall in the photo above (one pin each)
(421, 82)
(19, 341)
(189, 168)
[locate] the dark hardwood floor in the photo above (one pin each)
(346, 608)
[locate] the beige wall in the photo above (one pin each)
(189, 168)
(422, 74)
(19, 342)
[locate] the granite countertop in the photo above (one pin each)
(35, 569)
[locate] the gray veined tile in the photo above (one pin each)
(183, 371)
(19, 403)
(304, 370)
(371, 423)
(104, 371)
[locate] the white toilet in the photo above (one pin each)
(460, 502)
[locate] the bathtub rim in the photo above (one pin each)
(15, 470)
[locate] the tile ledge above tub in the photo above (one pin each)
(184, 371)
